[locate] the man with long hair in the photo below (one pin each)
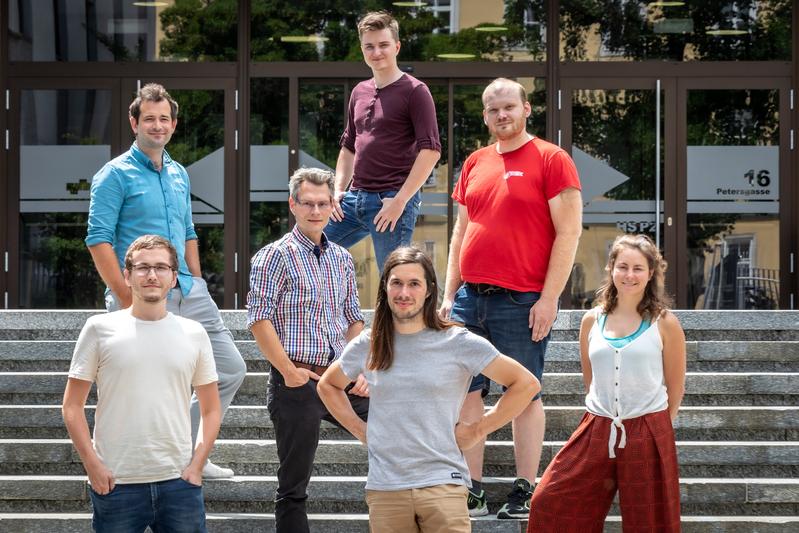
(418, 368)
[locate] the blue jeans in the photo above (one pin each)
(503, 319)
(173, 506)
(360, 209)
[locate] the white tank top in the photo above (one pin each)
(626, 382)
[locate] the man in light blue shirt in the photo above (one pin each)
(144, 191)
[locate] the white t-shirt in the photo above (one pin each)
(144, 372)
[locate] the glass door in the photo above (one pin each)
(61, 134)
(615, 132)
(734, 165)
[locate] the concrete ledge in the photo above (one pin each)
(359, 523)
(710, 417)
(352, 452)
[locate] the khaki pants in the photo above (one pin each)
(436, 509)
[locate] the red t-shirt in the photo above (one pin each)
(510, 233)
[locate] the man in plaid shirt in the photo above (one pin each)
(302, 310)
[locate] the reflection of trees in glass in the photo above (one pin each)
(211, 242)
(200, 30)
(618, 127)
(201, 125)
(640, 30)
(269, 119)
(423, 34)
(59, 269)
(268, 222)
(322, 118)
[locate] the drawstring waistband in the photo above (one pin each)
(616, 422)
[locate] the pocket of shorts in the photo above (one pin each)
(190, 484)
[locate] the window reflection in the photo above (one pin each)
(706, 30)
(108, 30)
(436, 30)
(733, 199)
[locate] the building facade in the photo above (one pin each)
(680, 116)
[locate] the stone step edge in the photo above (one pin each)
(489, 442)
(365, 517)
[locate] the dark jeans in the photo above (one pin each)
(173, 506)
(296, 413)
(503, 319)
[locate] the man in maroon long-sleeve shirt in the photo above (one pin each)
(388, 149)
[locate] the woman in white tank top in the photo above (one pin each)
(632, 351)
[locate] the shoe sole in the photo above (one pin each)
(474, 513)
(508, 516)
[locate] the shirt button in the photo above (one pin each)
(617, 368)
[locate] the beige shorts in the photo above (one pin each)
(436, 509)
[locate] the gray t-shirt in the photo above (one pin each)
(415, 404)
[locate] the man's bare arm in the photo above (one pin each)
(331, 392)
(107, 264)
(74, 413)
(210, 419)
(393, 208)
(344, 168)
(453, 280)
(566, 210)
(192, 257)
(521, 387)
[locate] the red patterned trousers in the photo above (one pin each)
(577, 489)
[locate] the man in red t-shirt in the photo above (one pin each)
(513, 246)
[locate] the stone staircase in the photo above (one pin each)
(738, 432)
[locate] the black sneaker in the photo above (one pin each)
(477, 504)
(518, 505)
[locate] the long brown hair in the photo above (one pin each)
(655, 299)
(381, 355)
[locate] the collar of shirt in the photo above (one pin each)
(307, 243)
(142, 158)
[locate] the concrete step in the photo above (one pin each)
(727, 459)
(698, 325)
(562, 356)
(255, 494)
(359, 523)
(702, 388)
(706, 423)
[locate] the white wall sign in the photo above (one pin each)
(733, 173)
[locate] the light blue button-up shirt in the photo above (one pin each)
(130, 198)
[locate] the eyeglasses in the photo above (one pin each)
(322, 206)
(143, 269)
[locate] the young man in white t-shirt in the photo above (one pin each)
(145, 361)
(418, 368)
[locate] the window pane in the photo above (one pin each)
(269, 161)
(704, 30)
(65, 139)
(436, 30)
(108, 30)
(733, 199)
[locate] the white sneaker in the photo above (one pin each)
(212, 471)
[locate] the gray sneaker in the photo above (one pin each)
(518, 505)
(477, 503)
